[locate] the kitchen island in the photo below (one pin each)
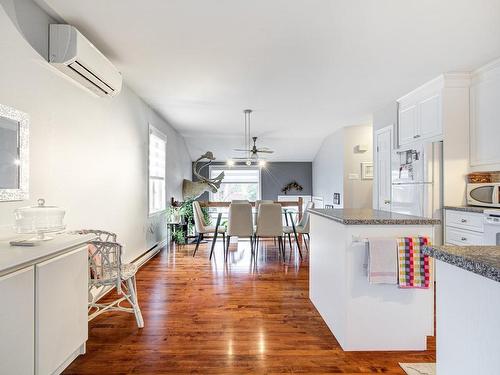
(467, 309)
(364, 316)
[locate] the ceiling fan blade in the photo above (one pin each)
(241, 150)
(265, 151)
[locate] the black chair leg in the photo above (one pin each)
(223, 240)
(214, 240)
(198, 240)
(256, 246)
(226, 248)
(283, 247)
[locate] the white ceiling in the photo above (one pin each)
(307, 67)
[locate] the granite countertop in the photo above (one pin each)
(479, 210)
(482, 260)
(371, 217)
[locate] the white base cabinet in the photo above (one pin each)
(16, 322)
(467, 310)
(43, 305)
(463, 228)
(61, 309)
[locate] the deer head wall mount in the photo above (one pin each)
(192, 189)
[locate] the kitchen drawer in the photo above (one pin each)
(465, 220)
(462, 237)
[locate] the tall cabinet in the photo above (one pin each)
(439, 111)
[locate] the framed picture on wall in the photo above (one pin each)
(367, 170)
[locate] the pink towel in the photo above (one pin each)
(382, 261)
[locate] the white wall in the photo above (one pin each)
(87, 154)
(357, 192)
(334, 161)
(328, 167)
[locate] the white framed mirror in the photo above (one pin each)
(14, 154)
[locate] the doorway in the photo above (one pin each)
(383, 148)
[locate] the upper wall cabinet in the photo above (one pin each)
(420, 114)
(485, 117)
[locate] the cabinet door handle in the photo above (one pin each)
(463, 220)
(416, 136)
(387, 201)
(464, 238)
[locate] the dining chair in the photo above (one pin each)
(240, 201)
(107, 270)
(301, 228)
(239, 224)
(257, 204)
(269, 225)
(202, 228)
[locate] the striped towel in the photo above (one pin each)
(414, 269)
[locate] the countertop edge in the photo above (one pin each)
(467, 264)
(43, 257)
(408, 221)
(473, 209)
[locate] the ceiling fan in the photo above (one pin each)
(251, 150)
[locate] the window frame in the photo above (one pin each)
(152, 130)
(225, 167)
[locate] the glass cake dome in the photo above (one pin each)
(39, 220)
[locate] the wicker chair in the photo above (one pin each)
(107, 270)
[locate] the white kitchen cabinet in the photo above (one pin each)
(465, 220)
(462, 237)
(407, 124)
(464, 228)
(43, 304)
(420, 114)
(61, 310)
(429, 122)
(485, 115)
(17, 292)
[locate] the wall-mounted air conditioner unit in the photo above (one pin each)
(75, 56)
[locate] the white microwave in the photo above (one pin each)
(483, 194)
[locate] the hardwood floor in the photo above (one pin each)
(207, 318)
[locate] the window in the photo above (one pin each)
(238, 183)
(157, 159)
